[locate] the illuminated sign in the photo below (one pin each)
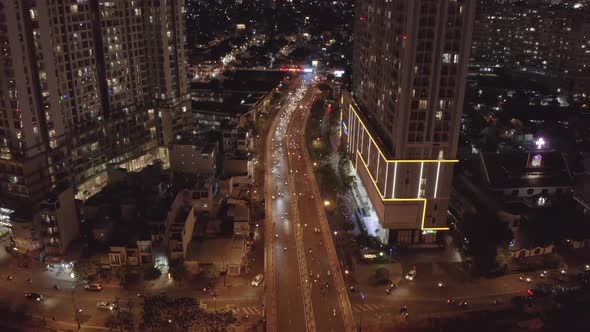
(338, 73)
(315, 63)
(540, 143)
(241, 26)
(296, 70)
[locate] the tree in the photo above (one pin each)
(503, 257)
(123, 321)
(211, 273)
(484, 234)
(121, 272)
(85, 269)
(151, 272)
(178, 270)
(163, 313)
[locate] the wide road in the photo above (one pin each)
(284, 298)
(316, 238)
(306, 292)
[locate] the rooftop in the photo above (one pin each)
(191, 181)
(217, 250)
(243, 81)
(199, 139)
(526, 169)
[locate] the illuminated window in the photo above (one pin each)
(423, 104)
(439, 115)
(446, 58)
(74, 8)
(537, 161)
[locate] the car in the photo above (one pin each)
(106, 305)
(34, 296)
(93, 287)
(411, 275)
(257, 280)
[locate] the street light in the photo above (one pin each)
(76, 311)
(326, 203)
(361, 320)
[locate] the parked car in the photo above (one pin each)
(93, 287)
(106, 305)
(257, 280)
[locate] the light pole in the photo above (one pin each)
(361, 320)
(75, 310)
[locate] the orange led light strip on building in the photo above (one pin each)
(402, 199)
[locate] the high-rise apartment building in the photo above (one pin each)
(402, 120)
(535, 37)
(85, 84)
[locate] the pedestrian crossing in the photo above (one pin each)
(358, 307)
(253, 311)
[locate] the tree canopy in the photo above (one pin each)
(162, 313)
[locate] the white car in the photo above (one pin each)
(257, 280)
(106, 305)
(411, 275)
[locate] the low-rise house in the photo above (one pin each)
(239, 212)
(237, 163)
(135, 253)
(202, 188)
(236, 187)
(237, 139)
(190, 155)
(59, 221)
(227, 255)
(45, 229)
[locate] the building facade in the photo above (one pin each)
(401, 122)
(84, 84)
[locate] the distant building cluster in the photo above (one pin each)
(535, 37)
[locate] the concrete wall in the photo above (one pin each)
(187, 232)
(67, 219)
(233, 167)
